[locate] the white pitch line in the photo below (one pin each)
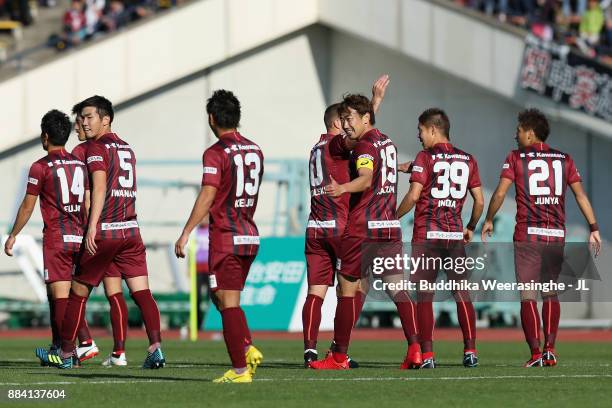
(89, 382)
(498, 377)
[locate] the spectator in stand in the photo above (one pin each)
(74, 23)
(592, 23)
(93, 14)
(115, 17)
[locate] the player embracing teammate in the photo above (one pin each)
(372, 226)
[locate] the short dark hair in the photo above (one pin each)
(103, 106)
(224, 108)
(534, 119)
(77, 108)
(360, 103)
(57, 126)
(436, 117)
(331, 114)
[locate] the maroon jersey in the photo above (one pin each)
(541, 176)
(80, 151)
(115, 157)
(328, 215)
(60, 180)
(372, 212)
(234, 165)
(446, 173)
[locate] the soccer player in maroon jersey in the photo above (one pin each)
(112, 279)
(233, 169)
(327, 221)
(60, 179)
(442, 174)
(112, 240)
(541, 175)
(371, 221)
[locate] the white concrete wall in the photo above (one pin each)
(152, 54)
(452, 42)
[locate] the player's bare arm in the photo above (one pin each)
(587, 210)
(477, 208)
(98, 195)
(494, 205)
(361, 183)
(378, 91)
(200, 210)
(405, 167)
(23, 216)
(410, 199)
(87, 201)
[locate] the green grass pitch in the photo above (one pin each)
(583, 378)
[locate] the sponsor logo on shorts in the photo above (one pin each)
(107, 226)
(73, 238)
(321, 224)
(213, 281)
(32, 180)
(384, 224)
(417, 169)
(246, 240)
(546, 232)
(210, 170)
(92, 159)
(457, 235)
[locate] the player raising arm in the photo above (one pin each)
(541, 175)
(233, 169)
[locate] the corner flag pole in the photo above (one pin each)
(193, 290)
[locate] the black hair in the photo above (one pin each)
(436, 117)
(103, 106)
(534, 119)
(224, 108)
(57, 126)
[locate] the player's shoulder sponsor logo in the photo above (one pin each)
(506, 166)
(33, 181)
(417, 169)
(92, 159)
(210, 170)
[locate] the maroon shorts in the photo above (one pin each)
(321, 259)
(357, 255)
(229, 271)
(59, 264)
(119, 257)
(433, 255)
(538, 262)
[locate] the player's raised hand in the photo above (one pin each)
(487, 230)
(90, 241)
(8, 245)
(405, 167)
(179, 246)
(595, 242)
(468, 235)
(380, 87)
(334, 189)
